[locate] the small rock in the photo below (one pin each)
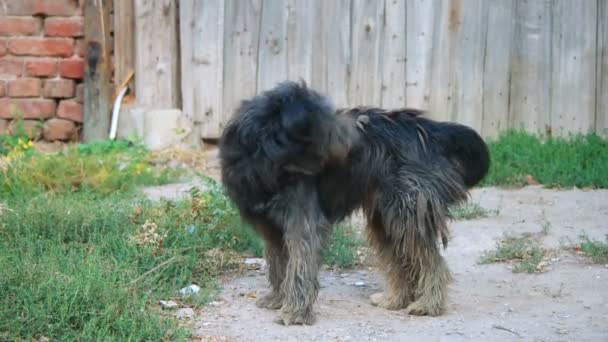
(360, 284)
(167, 304)
(254, 263)
(376, 298)
(190, 290)
(186, 313)
(217, 303)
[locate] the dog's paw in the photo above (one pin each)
(300, 317)
(381, 300)
(419, 308)
(271, 301)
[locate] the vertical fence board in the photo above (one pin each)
(601, 108)
(272, 48)
(531, 68)
(420, 23)
(574, 66)
(96, 125)
(393, 55)
(496, 67)
(300, 25)
(241, 38)
(157, 64)
(337, 62)
(446, 23)
(124, 39)
(466, 101)
(366, 39)
(202, 40)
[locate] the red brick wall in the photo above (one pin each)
(41, 67)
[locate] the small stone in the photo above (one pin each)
(186, 313)
(360, 284)
(376, 298)
(190, 290)
(167, 304)
(254, 263)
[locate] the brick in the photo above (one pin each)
(4, 126)
(58, 88)
(80, 48)
(3, 48)
(72, 68)
(26, 108)
(10, 68)
(71, 110)
(2, 88)
(79, 93)
(42, 67)
(59, 129)
(18, 26)
(46, 7)
(64, 27)
(60, 47)
(32, 128)
(24, 87)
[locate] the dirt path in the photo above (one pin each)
(488, 302)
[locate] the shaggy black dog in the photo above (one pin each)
(294, 166)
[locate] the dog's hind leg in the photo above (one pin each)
(399, 275)
(412, 219)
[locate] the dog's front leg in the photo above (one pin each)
(303, 226)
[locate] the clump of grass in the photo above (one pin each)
(522, 250)
(102, 167)
(341, 250)
(471, 211)
(594, 249)
(581, 160)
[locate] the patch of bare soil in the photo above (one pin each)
(567, 301)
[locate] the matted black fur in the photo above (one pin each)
(294, 166)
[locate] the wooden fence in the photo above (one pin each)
(541, 65)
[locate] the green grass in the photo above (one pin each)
(523, 251)
(580, 161)
(84, 257)
(75, 263)
(596, 250)
(471, 211)
(341, 251)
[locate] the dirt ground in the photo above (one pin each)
(566, 302)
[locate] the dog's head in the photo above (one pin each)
(293, 127)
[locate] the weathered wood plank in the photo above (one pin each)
(272, 50)
(574, 66)
(601, 108)
(467, 105)
(337, 60)
(496, 68)
(300, 24)
(97, 96)
(157, 65)
(124, 40)
(392, 89)
(420, 23)
(202, 46)
(366, 73)
(241, 39)
(530, 95)
(446, 26)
